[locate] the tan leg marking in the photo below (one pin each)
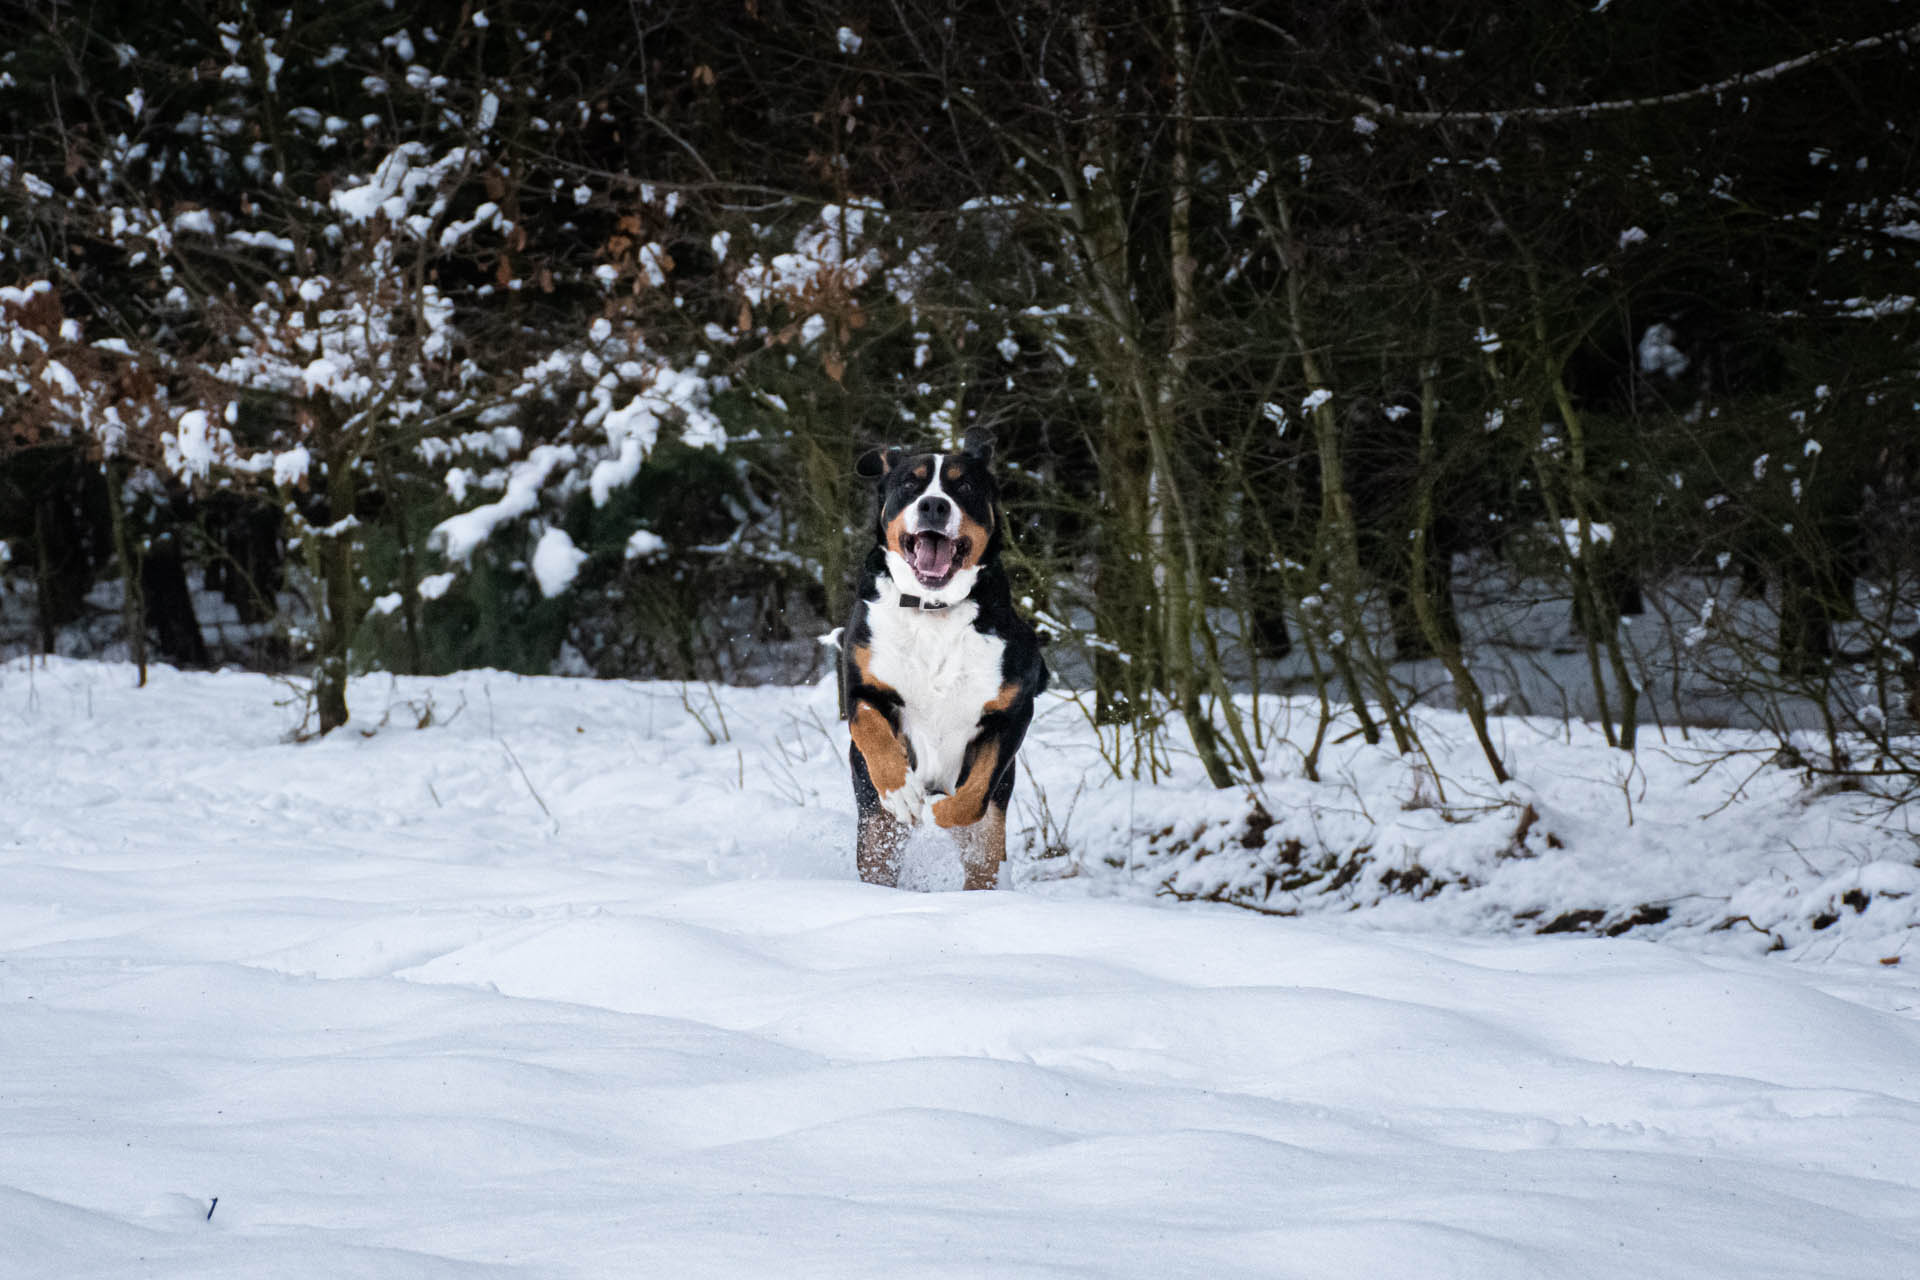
(863, 663)
(1003, 699)
(881, 835)
(964, 807)
(885, 754)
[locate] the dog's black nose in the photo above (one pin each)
(934, 511)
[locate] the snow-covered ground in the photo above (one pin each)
(576, 980)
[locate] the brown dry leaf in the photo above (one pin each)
(136, 383)
(745, 320)
(703, 74)
(833, 364)
(41, 312)
(503, 271)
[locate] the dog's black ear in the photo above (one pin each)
(875, 463)
(978, 444)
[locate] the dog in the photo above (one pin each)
(938, 673)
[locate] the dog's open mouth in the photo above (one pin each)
(933, 556)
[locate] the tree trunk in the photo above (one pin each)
(133, 613)
(168, 602)
(339, 610)
(1127, 664)
(1587, 583)
(1177, 568)
(1338, 534)
(1437, 621)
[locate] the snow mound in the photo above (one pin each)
(577, 982)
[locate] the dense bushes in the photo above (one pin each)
(547, 340)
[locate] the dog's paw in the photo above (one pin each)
(907, 803)
(951, 811)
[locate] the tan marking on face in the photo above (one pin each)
(897, 530)
(953, 472)
(885, 754)
(976, 535)
(922, 471)
(964, 807)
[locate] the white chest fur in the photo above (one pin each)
(945, 672)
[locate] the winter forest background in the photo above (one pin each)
(1464, 456)
(1363, 348)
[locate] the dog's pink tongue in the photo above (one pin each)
(932, 555)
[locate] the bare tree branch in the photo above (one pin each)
(1386, 111)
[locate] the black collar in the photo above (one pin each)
(915, 602)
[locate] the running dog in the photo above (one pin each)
(938, 674)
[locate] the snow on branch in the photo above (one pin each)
(625, 392)
(1387, 111)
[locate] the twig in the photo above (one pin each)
(1388, 112)
(531, 789)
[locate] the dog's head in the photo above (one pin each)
(939, 516)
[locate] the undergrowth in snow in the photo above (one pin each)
(1711, 840)
(1716, 840)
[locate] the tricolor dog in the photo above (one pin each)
(938, 671)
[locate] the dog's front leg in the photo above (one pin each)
(979, 825)
(908, 805)
(976, 812)
(889, 760)
(968, 802)
(983, 846)
(896, 800)
(882, 837)
(1002, 726)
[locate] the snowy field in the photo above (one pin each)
(577, 980)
